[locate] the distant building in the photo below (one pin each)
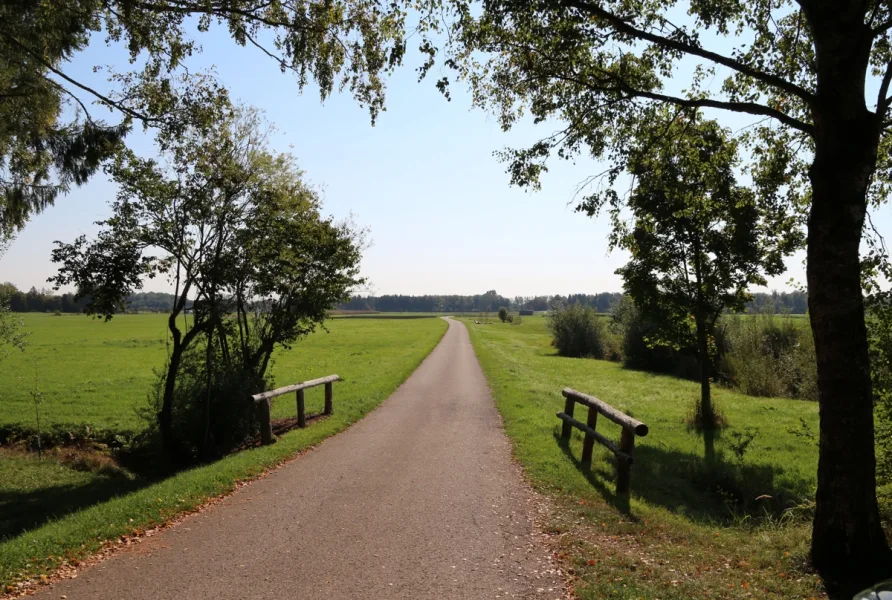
(526, 312)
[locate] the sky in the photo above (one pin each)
(442, 215)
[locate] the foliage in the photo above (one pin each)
(578, 332)
(210, 412)
(767, 355)
(697, 239)
(503, 314)
(640, 350)
(49, 139)
(11, 334)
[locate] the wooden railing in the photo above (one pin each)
(631, 428)
(266, 425)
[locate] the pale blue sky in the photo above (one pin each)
(442, 215)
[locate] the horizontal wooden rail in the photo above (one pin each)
(620, 418)
(296, 387)
(623, 451)
(263, 399)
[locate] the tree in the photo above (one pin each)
(503, 314)
(239, 234)
(814, 76)
(697, 239)
(49, 140)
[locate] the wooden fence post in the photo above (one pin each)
(624, 467)
(301, 412)
(266, 425)
(567, 429)
(589, 443)
(329, 393)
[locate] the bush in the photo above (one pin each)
(503, 314)
(634, 330)
(767, 355)
(517, 320)
(578, 332)
(211, 411)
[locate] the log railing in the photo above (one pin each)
(263, 399)
(625, 449)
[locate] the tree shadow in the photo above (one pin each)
(707, 492)
(596, 477)
(22, 511)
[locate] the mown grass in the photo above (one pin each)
(64, 515)
(97, 373)
(735, 528)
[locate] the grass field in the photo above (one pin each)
(738, 529)
(98, 373)
(54, 511)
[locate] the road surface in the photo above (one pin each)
(419, 500)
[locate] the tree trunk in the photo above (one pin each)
(849, 547)
(165, 416)
(707, 414)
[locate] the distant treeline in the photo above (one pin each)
(781, 302)
(45, 300)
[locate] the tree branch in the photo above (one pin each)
(623, 26)
(108, 101)
(882, 100)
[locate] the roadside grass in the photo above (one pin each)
(55, 514)
(737, 528)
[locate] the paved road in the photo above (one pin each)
(418, 500)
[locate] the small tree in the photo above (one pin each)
(241, 236)
(503, 314)
(698, 240)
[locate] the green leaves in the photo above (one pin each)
(698, 239)
(340, 45)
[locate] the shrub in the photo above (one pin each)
(211, 412)
(578, 332)
(768, 355)
(503, 314)
(517, 320)
(634, 331)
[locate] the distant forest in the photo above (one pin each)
(45, 300)
(781, 302)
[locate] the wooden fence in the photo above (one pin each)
(631, 428)
(266, 426)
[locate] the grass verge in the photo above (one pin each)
(737, 528)
(382, 355)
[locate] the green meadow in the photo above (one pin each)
(732, 529)
(88, 371)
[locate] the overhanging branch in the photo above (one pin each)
(624, 26)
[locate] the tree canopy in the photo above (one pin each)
(49, 140)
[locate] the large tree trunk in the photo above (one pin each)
(849, 547)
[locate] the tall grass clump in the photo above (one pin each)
(767, 355)
(578, 332)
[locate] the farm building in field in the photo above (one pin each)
(526, 312)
